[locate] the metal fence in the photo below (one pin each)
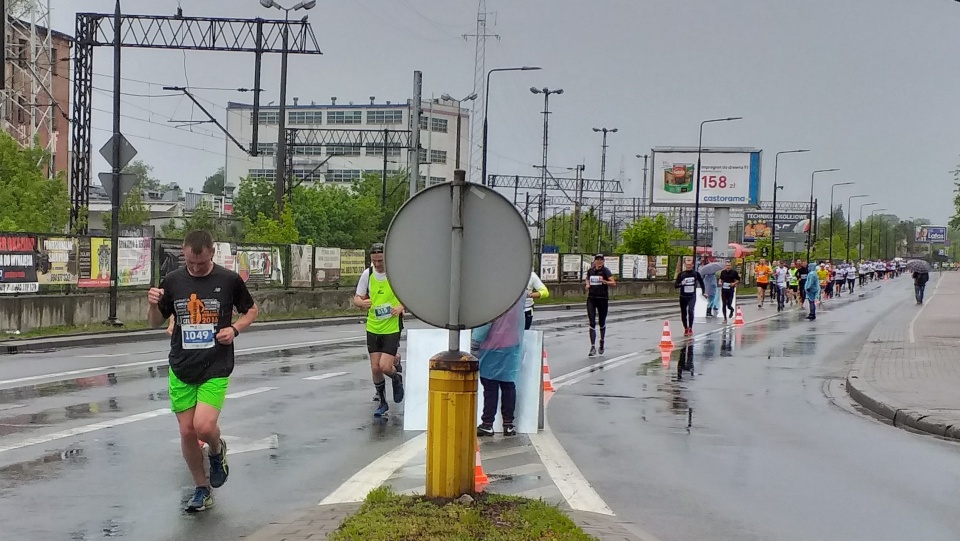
(57, 263)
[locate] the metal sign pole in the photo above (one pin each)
(454, 374)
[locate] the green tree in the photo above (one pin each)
(561, 231)
(214, 183)
(333, 216)
(269, 230)
(652, 236)
(143, 174)
(255, 197)
(132, 211)
(204, 218)
(30, 200)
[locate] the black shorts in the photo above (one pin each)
(794, 288)
(763, 286)
(388, 344)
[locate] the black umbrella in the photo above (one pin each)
(918, 265)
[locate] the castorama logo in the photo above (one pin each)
(725, 199)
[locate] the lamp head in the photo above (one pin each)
(530, 68)
(559, 91)
(470, 97)
(268, 4)
(534, 89)
(446, 97)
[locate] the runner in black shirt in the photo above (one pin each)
(802, 271)
(201, 297)
(687, 282)
(729, 279)
(597, 282)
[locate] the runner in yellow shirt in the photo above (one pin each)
(762, 270)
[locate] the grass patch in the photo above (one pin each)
(387, 516)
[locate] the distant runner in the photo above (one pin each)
(201, 298)
(597, 281)
(384, 325)
(535, 290)
(762, 271)
(803, 269)
(793, 283)
(851, 276)
(687, 282)
(729, 278)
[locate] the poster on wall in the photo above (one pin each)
(327, 264)
(728, 177)
(570, 267)
(757, 225)
(259, 264)
(225, 255)
(662, 263)
(634, 267)
(612, 262)
(94, 262)
(549, 267)
(133, 261)
(352, 262)
(18, 266)
(931, 234)
(170, 257)
(301, 259)
(57, 262)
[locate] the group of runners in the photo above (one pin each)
(200, 300)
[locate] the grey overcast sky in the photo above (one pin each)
(868, 85)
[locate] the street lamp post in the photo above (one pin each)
(603, 171)
(832, 187)
(280, 180)
(543, 173)
(849, 219)
(811, 217)
(860, 241)
(773, 227)
(696, 207)
(447, 97)
(872, 212)
(486, 106)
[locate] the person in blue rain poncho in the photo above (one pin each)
(499, 347)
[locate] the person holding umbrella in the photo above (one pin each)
(921, 275)
(709, 272)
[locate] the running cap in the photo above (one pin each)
(598, 256)
(377, 248)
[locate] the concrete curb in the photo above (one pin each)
(12, 347)
(901, 416)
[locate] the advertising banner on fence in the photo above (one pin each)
(327, 263)
(549, 267)
(570, 267)
(635, 267)
(259, 264)
(58, 261)
(170, 257)
(133, 261)
(93, 259)
(612, 262)
(352, 262)
(756, 225)
(662, 263)
(728, 177)
(18, 264)
(301, 259)
(225, 255)
(931, 234)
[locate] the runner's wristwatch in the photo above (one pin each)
(236, 333)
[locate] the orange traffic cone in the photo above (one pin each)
(739, 319)
(480, 479)
(665, 358)
(666, 340)
(547, 386)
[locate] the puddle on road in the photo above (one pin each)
(13, 476)
(54, 416)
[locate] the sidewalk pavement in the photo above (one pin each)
(908, 370)
(514, 468)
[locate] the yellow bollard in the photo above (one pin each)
(451, 424)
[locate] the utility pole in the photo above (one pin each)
(115, 195)
(414, 152)
(577, 208)
(542, 212)
(603, 171)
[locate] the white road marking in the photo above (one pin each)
(319, 377)
(574, 487)
(104, 355)
(270, 442)
(249, 392)
(62, 375)
(559, 380)
(922, 307)
(46, 438)
(376, 473)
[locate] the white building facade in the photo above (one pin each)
(344, 163)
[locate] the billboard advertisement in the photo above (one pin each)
(134, 260)
(549, 267)
(728, 177)
(757, 225)
(326, 261)
(57, 262)
(93, 261)
(301, 257)
(352, 262)
(635, 267)
(18, 264)
(259, 264)
(931, 234)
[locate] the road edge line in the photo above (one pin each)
(922, 308)
(356, 488)
(576, 490)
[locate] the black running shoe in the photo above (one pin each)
(593, 352)
(485, 429)
(397, 382)
(509, 429)
(600, 351)
(219, 469)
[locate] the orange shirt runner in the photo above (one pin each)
(763, 274)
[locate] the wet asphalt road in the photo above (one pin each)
(761, 442)
(293, 440)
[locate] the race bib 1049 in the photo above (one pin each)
(198, 336)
